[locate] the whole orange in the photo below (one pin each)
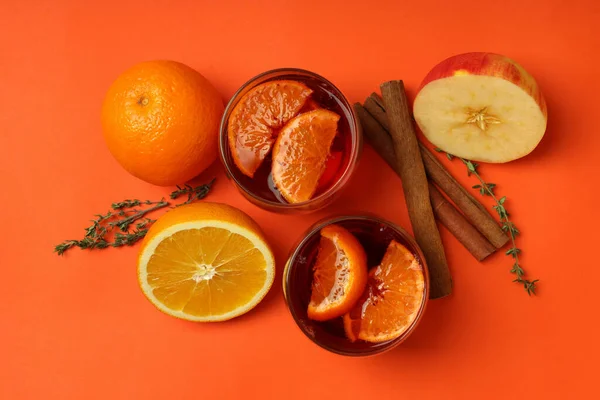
(161, 122)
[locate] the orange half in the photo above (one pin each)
(339, 274)
(301, 152)
(256, 118)
(392, 299)
(205, 262)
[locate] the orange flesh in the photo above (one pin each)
(340, 274)
(256, 118)
(235, 271)
(205, 262)
(392, 299)
(301, 152)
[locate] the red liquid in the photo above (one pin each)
(324, 96)
(374, 236)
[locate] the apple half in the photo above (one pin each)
(481, 106)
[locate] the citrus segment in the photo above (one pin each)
(255, 120)
(301, 152)
(392, 299)
(339, 274)
(205, 262)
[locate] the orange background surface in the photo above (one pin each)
(78, 327)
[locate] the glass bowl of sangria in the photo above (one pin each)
(289, 140)
(356, 285)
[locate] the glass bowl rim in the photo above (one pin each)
(314, 229)
(355, 133)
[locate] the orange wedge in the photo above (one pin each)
(301, 152)
(339, 274)
(256, 118)
(392, 299)
(205, 262)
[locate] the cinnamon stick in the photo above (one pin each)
(379, 138)
(473, 209)
(377, 110)
(378, 99)
(416, 190)
(475, 212)
(443, 210)
(466, 233)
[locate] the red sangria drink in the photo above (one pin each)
(356, 285)
(289, 140)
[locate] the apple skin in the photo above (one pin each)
(488, 64)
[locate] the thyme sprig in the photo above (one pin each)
(487, 189)
(126, 222)
(193, 193)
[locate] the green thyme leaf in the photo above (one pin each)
(113, 229)
(487, 189)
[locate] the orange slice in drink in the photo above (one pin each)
(301, 152)
(340, 274)
(392, 299)
(256, 118)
